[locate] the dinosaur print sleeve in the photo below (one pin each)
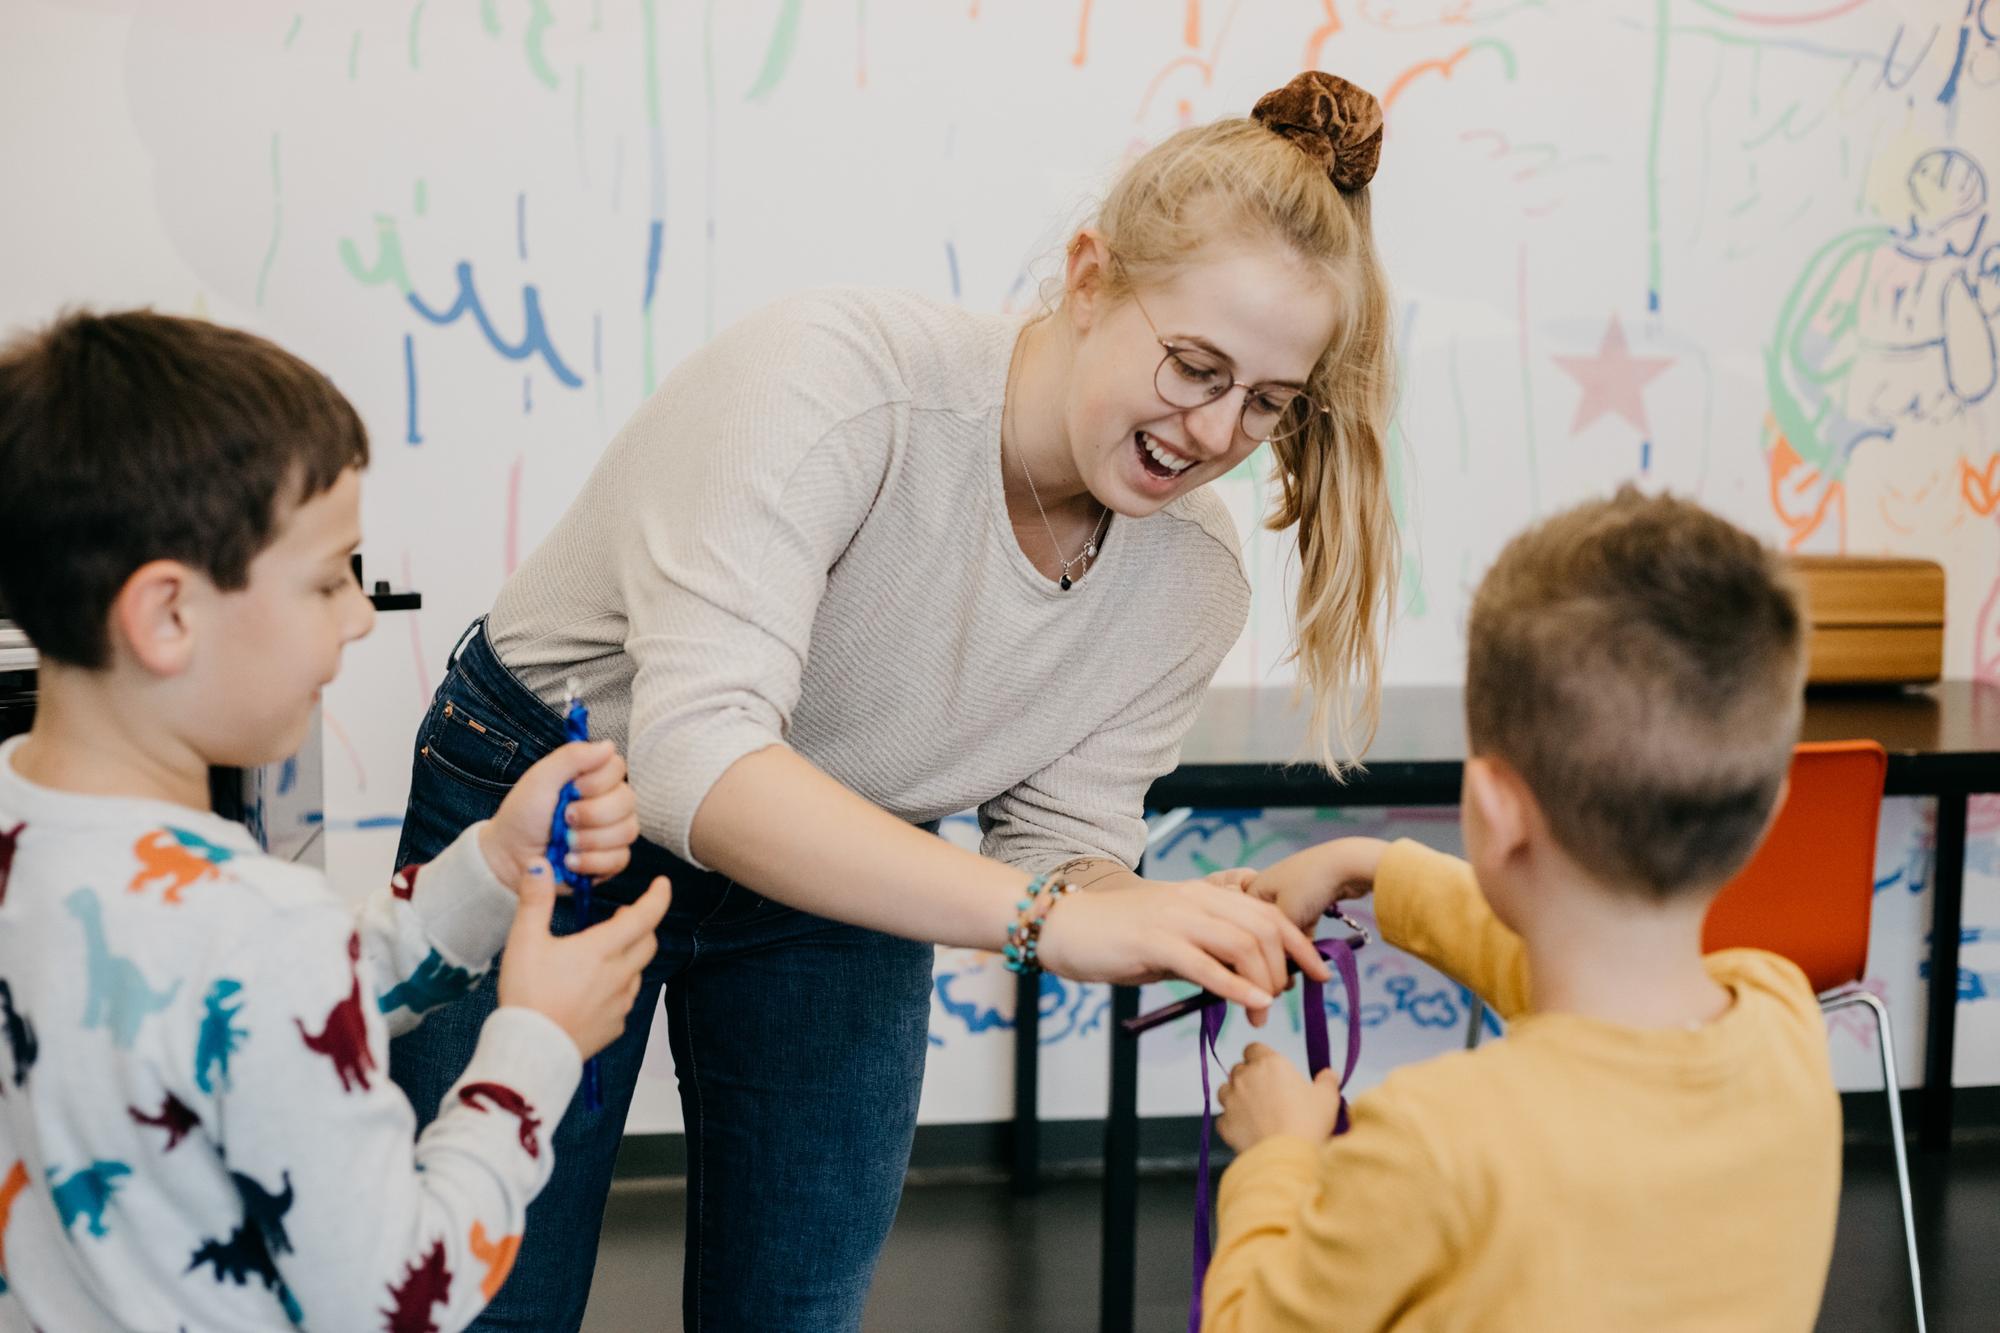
(349, 1219)
(432, 932)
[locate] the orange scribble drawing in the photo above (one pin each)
(1792, 500)
(1317, 42)
(1443, 68)
(1981, 488)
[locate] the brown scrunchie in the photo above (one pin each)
(1331, 121)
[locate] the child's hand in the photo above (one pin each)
(584, 982)
(1305, 884)
(603, 820)
(1266, 1094)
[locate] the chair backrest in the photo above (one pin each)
(1809, 889)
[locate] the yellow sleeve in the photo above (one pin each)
(1429, 904)
(1341, 1236)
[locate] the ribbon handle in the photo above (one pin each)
(1319, 1051)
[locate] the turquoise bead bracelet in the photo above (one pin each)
(1024, 937)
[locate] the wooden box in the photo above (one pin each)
(1875, 620)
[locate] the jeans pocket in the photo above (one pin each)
(472, 745)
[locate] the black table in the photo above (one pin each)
(1246, 750)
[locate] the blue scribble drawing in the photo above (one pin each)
(977, 1017)
(410, 433)
(534, 335)
(1071, 1008)
(1978, 29)
(1068, 1008)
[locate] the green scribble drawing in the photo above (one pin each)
(778, 55)
(1812, 348)
(539, 19)
(416, 20)
(298, 21)
(277, 222)
(388, 266)
(489, 14)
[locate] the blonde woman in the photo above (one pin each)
(867, 560)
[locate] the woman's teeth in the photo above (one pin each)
(1173, 463)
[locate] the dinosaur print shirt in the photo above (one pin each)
(197, 1128)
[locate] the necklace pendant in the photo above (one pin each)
(1090, 550)
(1063, 583)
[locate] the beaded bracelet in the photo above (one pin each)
(1024, 937)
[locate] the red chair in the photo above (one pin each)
(1808, 893)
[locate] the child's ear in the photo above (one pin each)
(1496, 796)
(150, 617)
(1084, 277)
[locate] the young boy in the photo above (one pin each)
(197, 1129)
(1656, 1143)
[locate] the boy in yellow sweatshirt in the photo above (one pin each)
(1656, 1143)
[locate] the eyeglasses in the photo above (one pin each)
(1189, 377)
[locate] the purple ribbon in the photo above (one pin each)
(1319, 1055)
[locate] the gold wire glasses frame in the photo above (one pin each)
(1189, 377)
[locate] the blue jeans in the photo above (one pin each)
(798, 1043)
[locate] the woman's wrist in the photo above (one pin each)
(1022, 951)
(1090, 872)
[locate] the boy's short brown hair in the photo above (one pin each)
(132, 437)
(1640, 662)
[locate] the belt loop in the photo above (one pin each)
(476, 627)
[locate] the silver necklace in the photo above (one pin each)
(1089, 551)
(1083, 557)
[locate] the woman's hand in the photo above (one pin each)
(1266, 1094)
(1306, 884)
(1220, 939)
(603, 820)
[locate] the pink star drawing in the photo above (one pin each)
(1612, 380)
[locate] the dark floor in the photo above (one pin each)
(971, 1258)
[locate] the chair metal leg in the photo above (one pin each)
(1475, 1023)
(1885, 1047)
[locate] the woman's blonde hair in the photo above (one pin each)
(1236, 179)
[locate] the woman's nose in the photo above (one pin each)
(1212, 426)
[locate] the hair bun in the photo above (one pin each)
(1331, 121)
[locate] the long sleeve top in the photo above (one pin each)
(802, 539)
(1575, 1175)
(197, 1127)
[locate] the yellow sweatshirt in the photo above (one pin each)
(1576, 1177)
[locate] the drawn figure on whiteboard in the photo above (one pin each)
(1884, 348)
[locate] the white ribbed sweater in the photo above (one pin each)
(802, 538)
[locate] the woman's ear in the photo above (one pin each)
(150, 618)
(1085, 269)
